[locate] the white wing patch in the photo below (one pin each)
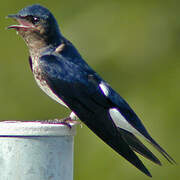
(104, 88)
(121, 122)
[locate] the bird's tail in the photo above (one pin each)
(137, 146)
(103, 127)
(160, 149)
(120, 146)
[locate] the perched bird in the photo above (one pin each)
(61, 73)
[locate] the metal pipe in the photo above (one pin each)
(36, 151)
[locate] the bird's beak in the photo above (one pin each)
(23, 23)
(14, 16)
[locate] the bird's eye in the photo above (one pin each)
(32, 19)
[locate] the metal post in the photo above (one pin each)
(36, 151)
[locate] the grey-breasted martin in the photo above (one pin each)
(62, 74)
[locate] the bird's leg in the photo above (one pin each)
(68, 121)
(71, 120)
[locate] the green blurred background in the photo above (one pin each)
(135, 46)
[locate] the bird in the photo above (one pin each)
(62, 73)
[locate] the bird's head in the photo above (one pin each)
(37, 26)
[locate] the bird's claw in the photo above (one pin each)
(65, 121)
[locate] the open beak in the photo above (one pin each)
(23, 23)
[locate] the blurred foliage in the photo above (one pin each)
(135, 46)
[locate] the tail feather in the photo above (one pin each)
(120, 146)
(137, 146)
(161, 150)
(109, 133)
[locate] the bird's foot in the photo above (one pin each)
(69, 122)
(65, 121)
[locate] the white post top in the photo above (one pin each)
(35, 128)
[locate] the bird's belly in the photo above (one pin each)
(45, 87)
